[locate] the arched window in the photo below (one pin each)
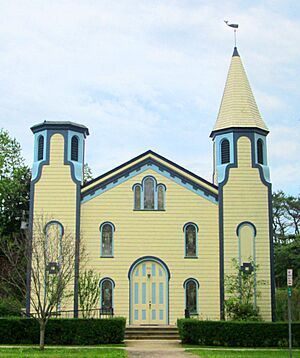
(74, 148)
(191, 296)
(107, 239)
(225, 151)
(53, 245)
(149, 194)
(41, 148)
(260, 151)
(160, 197)
(190, 239)
(107, 294)
(137, 197)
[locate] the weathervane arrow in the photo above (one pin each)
(234, 26)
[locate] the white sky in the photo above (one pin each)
(150, 75)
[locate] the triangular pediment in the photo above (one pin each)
(159, 164)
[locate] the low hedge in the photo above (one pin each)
(63, 331)
(237, 334)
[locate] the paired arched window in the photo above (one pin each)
(107, 286)
(74, 148)
(149, 195)
(225, 151)
(260, 151)
(190, 240)
(107, 230)
(191, 287)
(40, 155)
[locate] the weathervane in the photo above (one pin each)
(234, 26)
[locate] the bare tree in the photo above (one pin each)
(50, 254)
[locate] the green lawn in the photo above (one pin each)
(249, 353)
(63, 352)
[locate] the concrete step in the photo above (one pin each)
(152, 332)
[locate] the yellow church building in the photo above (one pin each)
(161, 237)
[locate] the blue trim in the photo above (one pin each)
(221, 168)
(264, 166)
(55, 222)
(184, 231)
(77, 164)
(197, 286)
(112, 289)
(141, 196)
(112, 238)
(110, 183)
(240, 225)
(168, 276)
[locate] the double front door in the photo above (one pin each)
(149, 294)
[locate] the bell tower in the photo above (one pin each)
(57, 175)
(245, 192)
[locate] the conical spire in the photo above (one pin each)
(238, 107)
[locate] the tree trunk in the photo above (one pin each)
(42, 335)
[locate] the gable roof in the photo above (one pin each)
(238, 108)
(149, 160)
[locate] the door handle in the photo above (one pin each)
(150, 304)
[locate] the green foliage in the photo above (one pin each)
(240, 291)
(237, 334)
(282, 304)
(14, 185)
(87, 173)
(9, 307)
(63, 331)
(88, 291)
(68, 352)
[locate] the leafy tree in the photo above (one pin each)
(88, 292)
(14, 185)
(87, 173)
(239, 287)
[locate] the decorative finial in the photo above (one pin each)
(234, 26)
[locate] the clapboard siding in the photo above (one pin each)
(155, 233)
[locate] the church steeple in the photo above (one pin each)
(238, 108)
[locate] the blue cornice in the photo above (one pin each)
(58, 125)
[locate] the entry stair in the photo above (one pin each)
(152, 332)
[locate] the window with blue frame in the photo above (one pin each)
(190, 239)
(191, 296)
(149, 195)
(107, 239)
(106, 294)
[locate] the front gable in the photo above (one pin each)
(143, 163)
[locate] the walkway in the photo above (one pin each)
(155, 349)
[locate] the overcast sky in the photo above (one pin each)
(149, 74)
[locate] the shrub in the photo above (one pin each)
(9, 307)
(237, 334)
(63, 331)
(282, 304)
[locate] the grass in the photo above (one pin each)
(63, 352)
(247, 353)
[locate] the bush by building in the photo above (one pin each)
(237, 334)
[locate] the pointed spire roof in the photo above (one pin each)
(238, 108)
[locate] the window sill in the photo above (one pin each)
(106, 257)
(191, 257)
(149, 209)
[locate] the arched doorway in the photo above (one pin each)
(149, 291)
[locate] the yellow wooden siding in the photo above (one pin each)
(159, 160)
(155, 233)
(246, 199)
(55, 194)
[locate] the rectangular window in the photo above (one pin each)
(161, 293)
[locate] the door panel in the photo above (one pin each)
(149, 294)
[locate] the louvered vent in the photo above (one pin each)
(74, 149)
(41, 148)
(225, 152)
